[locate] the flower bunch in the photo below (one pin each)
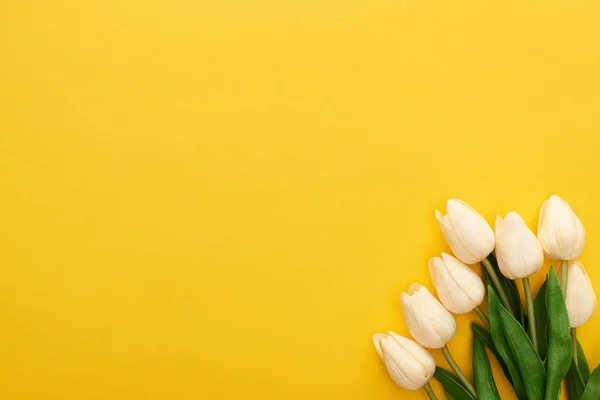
(536, 345)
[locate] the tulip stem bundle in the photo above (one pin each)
(461, 376)
(530, 313)
(490, 270)
(429, 391)
(484, 318)
(536, 345)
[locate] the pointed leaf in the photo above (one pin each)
(575, 386)
(526, 357)
(577, 377)
(541, 321)
(452, 385)
(484, 379)
(449, 396)
(486, 338)
(515, 299)
(502, 346)
(559, 337)
(592, 389)
(584, 368)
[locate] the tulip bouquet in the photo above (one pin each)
(535, 344)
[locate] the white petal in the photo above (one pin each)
(560, 231)
(457, 247)
(418, 323)
(400, 364)
(581, 298)
(416, 351)
(518, 251)
(456, 284)
(441, 323)
(471, 229)
(406, 375)
(377, 338)
(469, 283)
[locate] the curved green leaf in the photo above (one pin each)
(592, 389)
(449, 396)
(541, 321)
(584, 367)
(484, 379)
(486, 338)
(502, 345)
(525, 356)
(559, 337)
(576, 379)
(575, 387)
(452, 386)
(515, 299)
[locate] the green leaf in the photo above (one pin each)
(486, 338)
(515, 299)
(486, 276)
(541, 321)
(575, 387)
(484, 379)
(584, 367)
(528, 360)
(452, 386)
(592, 389)
(502, 346)
(449, 396)
(559, 337)
(576, 379)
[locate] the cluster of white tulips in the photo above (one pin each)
(535, 344)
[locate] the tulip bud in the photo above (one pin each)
(468, 234)
(409, 365)
(580, 299)
(459, 288)
(429, 323)
(560, 231)
(518, 251)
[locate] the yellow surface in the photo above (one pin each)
(224, 199)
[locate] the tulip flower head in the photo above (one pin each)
(429, 323)
(409, 364)
(580, 299)
(459, 288)
(560, 231)
(518, 251)
(468, 234)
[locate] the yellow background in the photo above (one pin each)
(224, 199)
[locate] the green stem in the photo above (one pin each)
(530, 312)
(482, 316)
(564, 276)
(575, 355)
(429, 391)
(498, 286)
(459, 374)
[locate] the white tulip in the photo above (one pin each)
(580, 299)
(560, 231)
(409, 364)
(429, 323)
(459, 288)
(468, 234)
(518, 251)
